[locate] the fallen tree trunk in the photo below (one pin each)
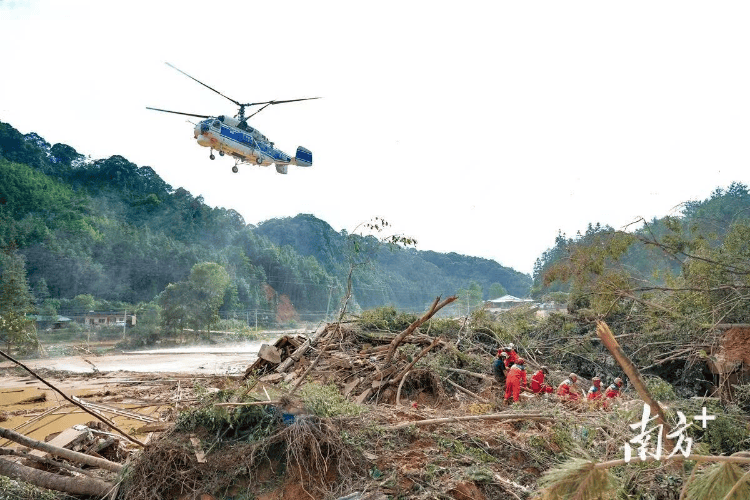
(60, 452)
(609, 341)
(68, 484)
(538, 417)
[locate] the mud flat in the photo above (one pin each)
(225, 359)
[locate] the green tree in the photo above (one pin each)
(16, 328)
(497, 290)
(469, 298)
(175, 303)
(208, 284)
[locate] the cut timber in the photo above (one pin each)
(251, 403)
(272, 377)
(71, 455)
(301, 350)
(156, 427)
(348, 388)
(283, 346)
(199, 455)
(67, 438)
(363, 397)
(494, 416)
(72, 485)
(101, 407)
(270, 354)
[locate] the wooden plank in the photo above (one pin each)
(199, 455)
(66, 438)
(348, 388)
(362, 397)
(269, 353)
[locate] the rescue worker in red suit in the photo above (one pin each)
(512, 355)
(614, 390)
(537, 382)
(595, 391)
(567, 390)
(515, 378)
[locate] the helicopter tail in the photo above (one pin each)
(303, 157)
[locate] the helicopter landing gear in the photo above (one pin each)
(221, 153)
(235, 169)
(258, 160)
(212, 155)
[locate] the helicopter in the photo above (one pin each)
(234, 137)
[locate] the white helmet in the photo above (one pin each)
(511, 346)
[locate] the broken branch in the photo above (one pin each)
(495, 416)
(436, 306)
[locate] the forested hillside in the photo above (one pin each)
(115, 232)
(705, 249)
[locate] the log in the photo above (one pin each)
(44, 460)
(300, 351)
(609, 341)
(436, 306)
(363, 397)
(467, 391)
(494, 416)
(67, 484)
(60, 452)
(251, 403)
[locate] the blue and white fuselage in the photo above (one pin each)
(246, 144)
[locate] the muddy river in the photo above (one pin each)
(224, 359)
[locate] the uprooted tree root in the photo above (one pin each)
(315, 456)
(310, 449)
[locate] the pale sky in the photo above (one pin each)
(480, 128)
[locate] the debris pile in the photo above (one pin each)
(350, 412)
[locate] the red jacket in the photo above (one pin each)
(564, 390)
(511, 359)
(516, 373)
(612, 391)
(594, 392)
(537, 381)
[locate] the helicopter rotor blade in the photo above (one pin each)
(210, 88)
(270, 103)
(178, 112)
(280, 102)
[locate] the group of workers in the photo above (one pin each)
(510, 368)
